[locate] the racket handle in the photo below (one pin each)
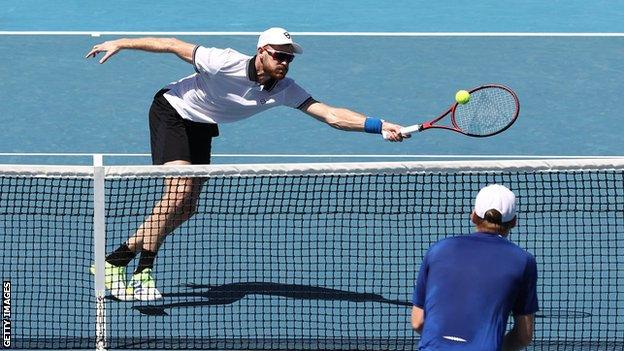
(405, 131)
(411, 129)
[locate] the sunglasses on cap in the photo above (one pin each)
(281, 56)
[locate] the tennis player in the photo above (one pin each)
(468, 285)
(227, 86)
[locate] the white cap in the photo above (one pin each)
(496, 197)
(278, 36)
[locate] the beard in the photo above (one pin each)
(278, 72)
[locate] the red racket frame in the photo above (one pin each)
(431, 124)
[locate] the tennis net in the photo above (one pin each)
(300, 256)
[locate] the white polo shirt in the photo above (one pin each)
(224, 89)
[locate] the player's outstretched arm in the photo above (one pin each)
(345, 119)
(169, 45)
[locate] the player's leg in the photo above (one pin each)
(180, 197)
(174, 141)
(168, 140)
(178, 204)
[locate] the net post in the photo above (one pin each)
(99, 244)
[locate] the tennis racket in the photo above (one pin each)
(491, 110)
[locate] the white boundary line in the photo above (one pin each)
(97, 33)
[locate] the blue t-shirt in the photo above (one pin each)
(467, 287)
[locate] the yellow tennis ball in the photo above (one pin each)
(462, 97)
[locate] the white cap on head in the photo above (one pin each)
(278, 36)
(496, 197)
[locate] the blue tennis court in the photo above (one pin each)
(56, 101)
(568, 106)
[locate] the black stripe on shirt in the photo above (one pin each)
(194, 52)
(304, 105)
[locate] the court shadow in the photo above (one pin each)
(230, 293)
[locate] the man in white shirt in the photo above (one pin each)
(228, 86)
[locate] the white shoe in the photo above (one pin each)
(143, 286)
(115, 281)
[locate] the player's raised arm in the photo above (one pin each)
(345, 119)
(169, 45)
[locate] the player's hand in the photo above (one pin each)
(392, 132)
(109, 47)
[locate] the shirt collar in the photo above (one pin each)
(487, 235)
(252, 74)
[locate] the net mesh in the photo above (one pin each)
(304, 258)
(46, 249)
(489, 111)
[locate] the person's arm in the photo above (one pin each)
(345, 119)
(524, 310)
(520, 335)
(418, 319)
(419, 295)
(169, 45)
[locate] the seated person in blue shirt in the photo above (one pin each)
(468, 285)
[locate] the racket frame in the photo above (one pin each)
(455, 128)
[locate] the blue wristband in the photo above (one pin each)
(373, 125)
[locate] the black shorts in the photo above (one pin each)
(174, 138)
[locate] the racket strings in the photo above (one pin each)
(489, 111)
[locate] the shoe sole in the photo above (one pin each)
(123, 294)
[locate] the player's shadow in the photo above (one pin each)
(230, 293)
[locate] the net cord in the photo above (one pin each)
(463, 166)
(306, 169)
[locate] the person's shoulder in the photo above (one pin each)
(234, 55)
(522, 255)
(460, 242)
(226, 56)
(529, 256)
(450, 240)
(446, 247)
(447, 242)
(287, 82)
(519, 250)
(220, 51)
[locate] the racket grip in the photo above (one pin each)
(411, 129)
(405, 131)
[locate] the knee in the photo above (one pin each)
(180, 198)
(188, 208)
(179, 205)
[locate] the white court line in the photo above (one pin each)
(96, 33)
(32, 154)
